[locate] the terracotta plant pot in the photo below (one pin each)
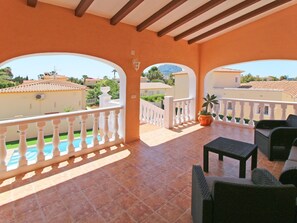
(205, 120)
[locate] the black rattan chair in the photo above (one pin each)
(231, 200)
(274, 137)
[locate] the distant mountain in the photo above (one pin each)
(167, 69)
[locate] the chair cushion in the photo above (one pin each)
(292, 120)
(263, 177)
(293, 154)
(210, 181)
(264, 132)
(290, 164)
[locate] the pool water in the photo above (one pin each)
(32, 152)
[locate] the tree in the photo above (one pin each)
(76, 80)
(96, 92)
(154, 74)
(170, 81)
(6, 72)
(283, 77)
(114, 71)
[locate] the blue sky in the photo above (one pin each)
(76, 66)
(266, 68)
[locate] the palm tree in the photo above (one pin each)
(114, 71)
(209, 100)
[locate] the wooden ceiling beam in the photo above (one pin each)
(129, 7)
(32, 3)
(216, 18)
(240, 19)
(199, 11)
(82, 7)
(159, 14)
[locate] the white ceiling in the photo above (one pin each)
(108, 8)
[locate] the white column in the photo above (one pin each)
(70, 134)
(40, 141)
(251, 117)
(272, 112)
(104, 98)
(178, 112)
(241, 121)
(284, 111)
(188, 110)
(225, 110)
(261, 115)
(105, 128)
(23, 145)
(83, 132)
(56, 137)
(183, 118)
(233, 120)
(95, 129)
(168, 107)
(3, 148)
(116, 125)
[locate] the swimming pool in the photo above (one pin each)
(32, 152)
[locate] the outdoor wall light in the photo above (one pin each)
(136, 64)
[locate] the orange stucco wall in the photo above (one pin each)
(48, 28)
(272, 37)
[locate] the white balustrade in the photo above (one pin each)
(25, 164)
(182, 114)
(245, 112)
(150, 113)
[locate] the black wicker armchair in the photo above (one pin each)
(274, 137)
(231, 200)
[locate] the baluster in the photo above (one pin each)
(83, 132)
(188, 110)
(105, 128)
(95, 129)
(40, 141)
(3, 152)
(183, 112)
(261, 110)
(70, 134)
(116, 125)
(295, 109)
(225, 111)
(272, 111)
(178, 113)
(23, 145)
(56, 138)
(233, 120)
(241, 121)
(216, 110)
(251, 117)
(174, 113)
(284, 111)
(140, 111)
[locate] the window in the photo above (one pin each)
(236, 79)
(229, 105)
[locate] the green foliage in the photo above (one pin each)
(170, 81)
(19, 80)
(153, 98)
(6, 83)
(6, 72)
(68, 109)
(249, 77)
(76, 80)
(114, 89)
(154, 74)
(209, 101)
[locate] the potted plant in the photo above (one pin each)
(205, 116)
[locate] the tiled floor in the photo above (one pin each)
(144, 181)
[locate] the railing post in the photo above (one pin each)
(95, 128)
(105, 128)
(56, 137)
(241, 121)
(40, 141)
(233, 120)
(225, 111)
(261, 110)
(284, 109)
(251, 122)
(168, 106)
(3, 148)
(23, 145)
(272, 107)
(83, 132)
(70, 134)
(116, 125)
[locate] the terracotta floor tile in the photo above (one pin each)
(139, 211)
(170, 212)
(152, 184)
(155, 201)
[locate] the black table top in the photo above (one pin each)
(231, 147)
